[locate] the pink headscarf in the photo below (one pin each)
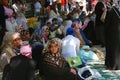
(26, 50)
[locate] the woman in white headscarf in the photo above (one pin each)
(113, 37)
(9, 48)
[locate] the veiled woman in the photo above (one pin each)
(9, 48)
(54, 66)
(113, 37)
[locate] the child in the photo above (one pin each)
(21, 67)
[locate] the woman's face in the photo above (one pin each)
(20, 29)
(17, 42)
(54, 48)
(5, 2)
(46, 32)
(27, 35)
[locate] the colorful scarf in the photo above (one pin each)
(55, 60)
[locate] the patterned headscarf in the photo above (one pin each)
(116, 3)
(55, 60)
(56, 41)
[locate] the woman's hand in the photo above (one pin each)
(9, 16)
(72, 70)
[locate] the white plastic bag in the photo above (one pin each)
(86, 73)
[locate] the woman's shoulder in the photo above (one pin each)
(46, 54)
(112, 12)
(8, 51)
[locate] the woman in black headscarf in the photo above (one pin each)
(99, 24)
(113, 37)
(54, 66)
(2, 21)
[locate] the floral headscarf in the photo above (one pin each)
(53, 59)
(56, 41)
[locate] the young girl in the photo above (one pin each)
(21, 67)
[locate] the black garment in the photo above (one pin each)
(112, 30)
(56, 68)
(36, 54)
(99, 25)
(19, 68)
(2, 23)
(90, 32)
(89, 5)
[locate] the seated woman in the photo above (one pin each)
(9, 48)
(21, 67)
(70, 44)
(54, 66)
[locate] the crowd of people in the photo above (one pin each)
(63, 31)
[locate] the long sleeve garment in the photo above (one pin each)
(70, 46)
(55, 67)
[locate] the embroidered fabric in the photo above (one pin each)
(55, 60)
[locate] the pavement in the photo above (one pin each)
(98, 66)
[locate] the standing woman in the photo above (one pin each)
(53, 12)
(113, 37)
(9, 15)
(37, 8)
(2, 22)
(99, 24)
(19, 9)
